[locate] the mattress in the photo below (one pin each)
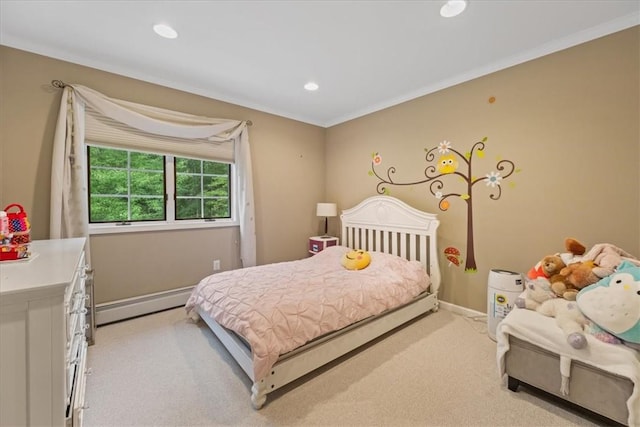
(542, 331)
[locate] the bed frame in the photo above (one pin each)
(379, 223)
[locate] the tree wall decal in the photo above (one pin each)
(449, 163)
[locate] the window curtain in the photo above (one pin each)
(208, 138)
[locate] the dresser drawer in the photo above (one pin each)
(75, 300)
(75, 314)
(72, 362)
(76, 404)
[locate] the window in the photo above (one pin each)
(128, 186)
(202, 189)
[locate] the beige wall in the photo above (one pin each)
(569, 121)
(288, 160)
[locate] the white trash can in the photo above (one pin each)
(503, 289)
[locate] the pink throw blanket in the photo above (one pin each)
(279, 307)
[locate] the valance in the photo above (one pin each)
(127, 125)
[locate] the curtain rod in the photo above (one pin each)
(61, 85)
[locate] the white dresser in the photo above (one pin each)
(43, 348)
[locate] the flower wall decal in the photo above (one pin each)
(493, 179)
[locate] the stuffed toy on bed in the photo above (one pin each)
(356, 260)
(613, 303)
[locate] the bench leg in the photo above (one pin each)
(512, 383)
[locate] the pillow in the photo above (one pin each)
(356, 260)
(614, 303)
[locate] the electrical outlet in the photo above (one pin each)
(216, 264)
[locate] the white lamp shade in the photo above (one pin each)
(326, 209)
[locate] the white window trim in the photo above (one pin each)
(140, 227)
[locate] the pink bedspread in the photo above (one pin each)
(279, 307)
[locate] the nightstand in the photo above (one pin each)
(318, 243)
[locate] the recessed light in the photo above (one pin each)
(311, 86)
(453, 8)
(165, 31)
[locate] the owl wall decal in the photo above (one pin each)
(447, 163)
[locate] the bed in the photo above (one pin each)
(400, 284)
(603, 378)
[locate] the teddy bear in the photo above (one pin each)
(552, 264)
(574, 277)
(540, 297)
(548, 267)
(565, 282)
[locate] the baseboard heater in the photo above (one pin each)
(137, 306)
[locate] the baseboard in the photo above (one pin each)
(137, 306)
(458, 309)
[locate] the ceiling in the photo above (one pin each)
(364, 55)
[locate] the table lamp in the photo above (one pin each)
(326, 210)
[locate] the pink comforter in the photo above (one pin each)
(279, 307)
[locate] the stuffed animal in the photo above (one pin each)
(540, 297)
(356, 260)
(574, 251)
(574, 247)
(614, 303)
(551, 265)
(578, 275)
(564, 270)
(548, 267)
(536, 292)
(607, 258)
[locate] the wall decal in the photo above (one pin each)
(451, 163)
(453, 256)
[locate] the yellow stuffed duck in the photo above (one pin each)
(356, 259)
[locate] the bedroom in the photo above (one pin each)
(569, 120)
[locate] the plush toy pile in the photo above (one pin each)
(595, 291)
(567, 272)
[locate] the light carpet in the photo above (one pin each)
(440, 370)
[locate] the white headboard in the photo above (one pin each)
(386, 224)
